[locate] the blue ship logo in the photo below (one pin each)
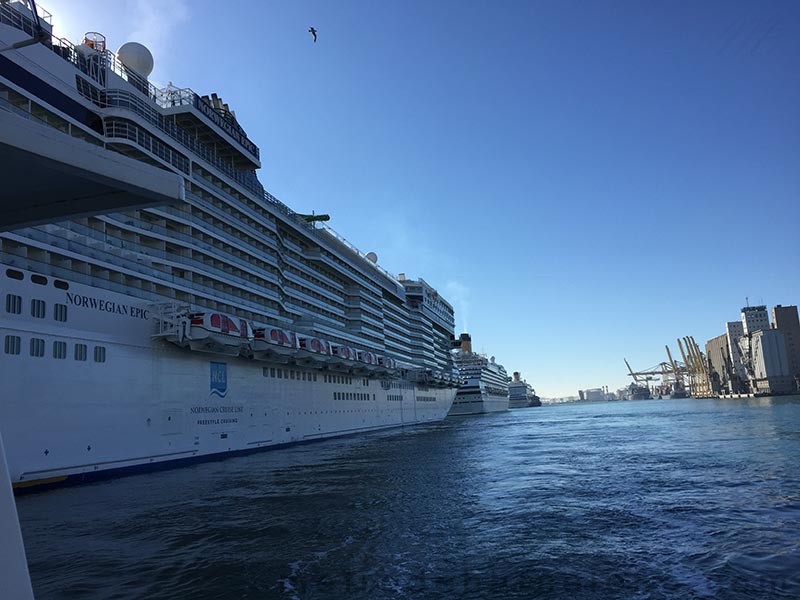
(219, 379)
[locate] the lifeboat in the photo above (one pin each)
(273, 343)
(217, 333)
(385, 364)
(364, 361)
(319, 346)
(313, 349)
(346, 353)
(344, 358)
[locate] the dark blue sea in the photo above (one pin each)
(636, 500)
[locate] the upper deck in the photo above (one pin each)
(206, 119)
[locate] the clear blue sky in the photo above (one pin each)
(585, 181)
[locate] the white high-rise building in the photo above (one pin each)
(754, 318)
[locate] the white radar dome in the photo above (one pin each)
(136, 57)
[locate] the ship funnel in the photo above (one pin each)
(516, 375)
(466, 342)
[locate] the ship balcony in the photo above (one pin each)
(49, 175)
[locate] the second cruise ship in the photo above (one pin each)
(521, 393)
(484, 386)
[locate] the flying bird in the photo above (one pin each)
(313, 32)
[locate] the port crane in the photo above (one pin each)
(678, 372)
(668, 373)
(646, 376)
(696, 369)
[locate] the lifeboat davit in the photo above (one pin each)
(218, 333)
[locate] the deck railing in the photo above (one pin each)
(94, 65)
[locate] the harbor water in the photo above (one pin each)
(640, 500)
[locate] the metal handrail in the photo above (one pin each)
(163, 98)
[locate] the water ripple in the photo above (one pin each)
(644, 500)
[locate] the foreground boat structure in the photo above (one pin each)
(218, 321)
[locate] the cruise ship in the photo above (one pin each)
(484, 386)
(521, 394)
(220, 322)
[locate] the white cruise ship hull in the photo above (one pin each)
(101, 394)
(474, 404)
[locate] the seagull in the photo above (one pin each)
(313, 32)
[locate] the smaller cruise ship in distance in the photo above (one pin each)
(521, 394)
(484, 385)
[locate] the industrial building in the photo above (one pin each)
(785, 319)
(753, 357)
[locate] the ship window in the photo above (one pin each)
(62, 285)
(291, 374)
(39, 279)
(60, 312)
(315, 376)
(12, 344)
(280, 374)
(37, 347)
(272, 372)
(100, 354)
(14, 274)
(37, 308)
(13, 304)
(304, 376)
(59, 350)
(80, 351)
